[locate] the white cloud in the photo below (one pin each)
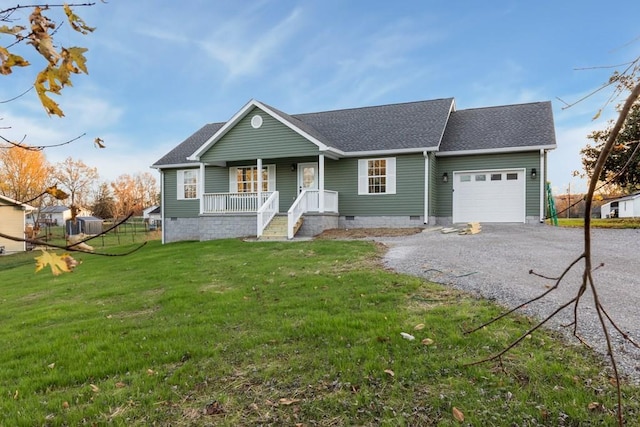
(245, 49)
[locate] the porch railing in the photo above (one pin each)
(268, 210)
(232, 202)
(309, 201)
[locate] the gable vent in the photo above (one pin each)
(256, 121)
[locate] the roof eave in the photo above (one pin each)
(413, 150)
(495, 150)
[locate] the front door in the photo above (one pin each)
(307, 176)
(308, 180)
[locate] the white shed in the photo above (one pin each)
(13, 223)
(624, 207)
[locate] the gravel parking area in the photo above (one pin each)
(495, 264)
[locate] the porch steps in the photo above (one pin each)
(277, 228)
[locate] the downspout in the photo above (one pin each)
(543, 180)
(426, 186)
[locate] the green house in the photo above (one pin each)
(265, 173)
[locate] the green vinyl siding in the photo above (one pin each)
(433, 182)
(271, 140)
(342, 176)
(216, 180)
(526, 160)
(172, 206)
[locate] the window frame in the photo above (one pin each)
(270, 180)
(182, 193)
(368, 179)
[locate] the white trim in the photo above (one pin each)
(271, 176)
(489, 171)
(240, 115)
(259, 189)
(321, 183)
(200, 186)
(494, 150)
(388, 153)
(363, 176)
(176, 166)
(163, 224)
(180, 184)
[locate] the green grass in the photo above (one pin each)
(232, 333)
(601, 222)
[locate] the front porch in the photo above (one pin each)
(262, 207)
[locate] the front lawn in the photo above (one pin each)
(307, 333)
(600, 222)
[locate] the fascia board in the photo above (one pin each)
(389, 152)
(494, 150)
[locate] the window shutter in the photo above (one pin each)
(271, 169)
(362, 177)
(391, 175)
(180, 184)
(233, 183)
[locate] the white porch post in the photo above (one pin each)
(426, 186)
(321, 183)
(201, 188)
(259, 167)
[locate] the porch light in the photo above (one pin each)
(294, 167)
(445, 177)
(534, 173)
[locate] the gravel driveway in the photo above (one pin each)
(495, 264)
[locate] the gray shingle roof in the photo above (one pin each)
(412, 125)
(504, 127)
(178, 156)
(386, 127)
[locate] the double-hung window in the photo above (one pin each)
(377, 176)
(187, 184)
(244, 179)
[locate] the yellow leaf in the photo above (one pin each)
(418, 327)
(59, 263)
(56, 192)
(17, 29)
(458, 415)
(99, 142)
(94, 388)
(390, 372)
(75, 55)
(427, 341)
(76, 22)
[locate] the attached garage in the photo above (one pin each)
(489, 196)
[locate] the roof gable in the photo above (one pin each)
(505, 128)
(9, 201)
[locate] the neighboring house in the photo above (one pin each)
(624, 207)
(155, 218)
(147, 211)
(399, 165)
(57, 215)
(13, 223)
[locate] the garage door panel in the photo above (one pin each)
(489, 196)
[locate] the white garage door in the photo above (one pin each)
(489, 196)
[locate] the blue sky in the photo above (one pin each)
(161, 69)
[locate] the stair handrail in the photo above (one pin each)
(297, 209)
(267, 211)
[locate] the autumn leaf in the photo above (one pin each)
(14, 31)
(99, 142)
(10, 60)
(56, 192)
(418, 327)
(59, 263)
(390, 372)
(76, 22)
(427, 341)
(94, 388)
(458, 415)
